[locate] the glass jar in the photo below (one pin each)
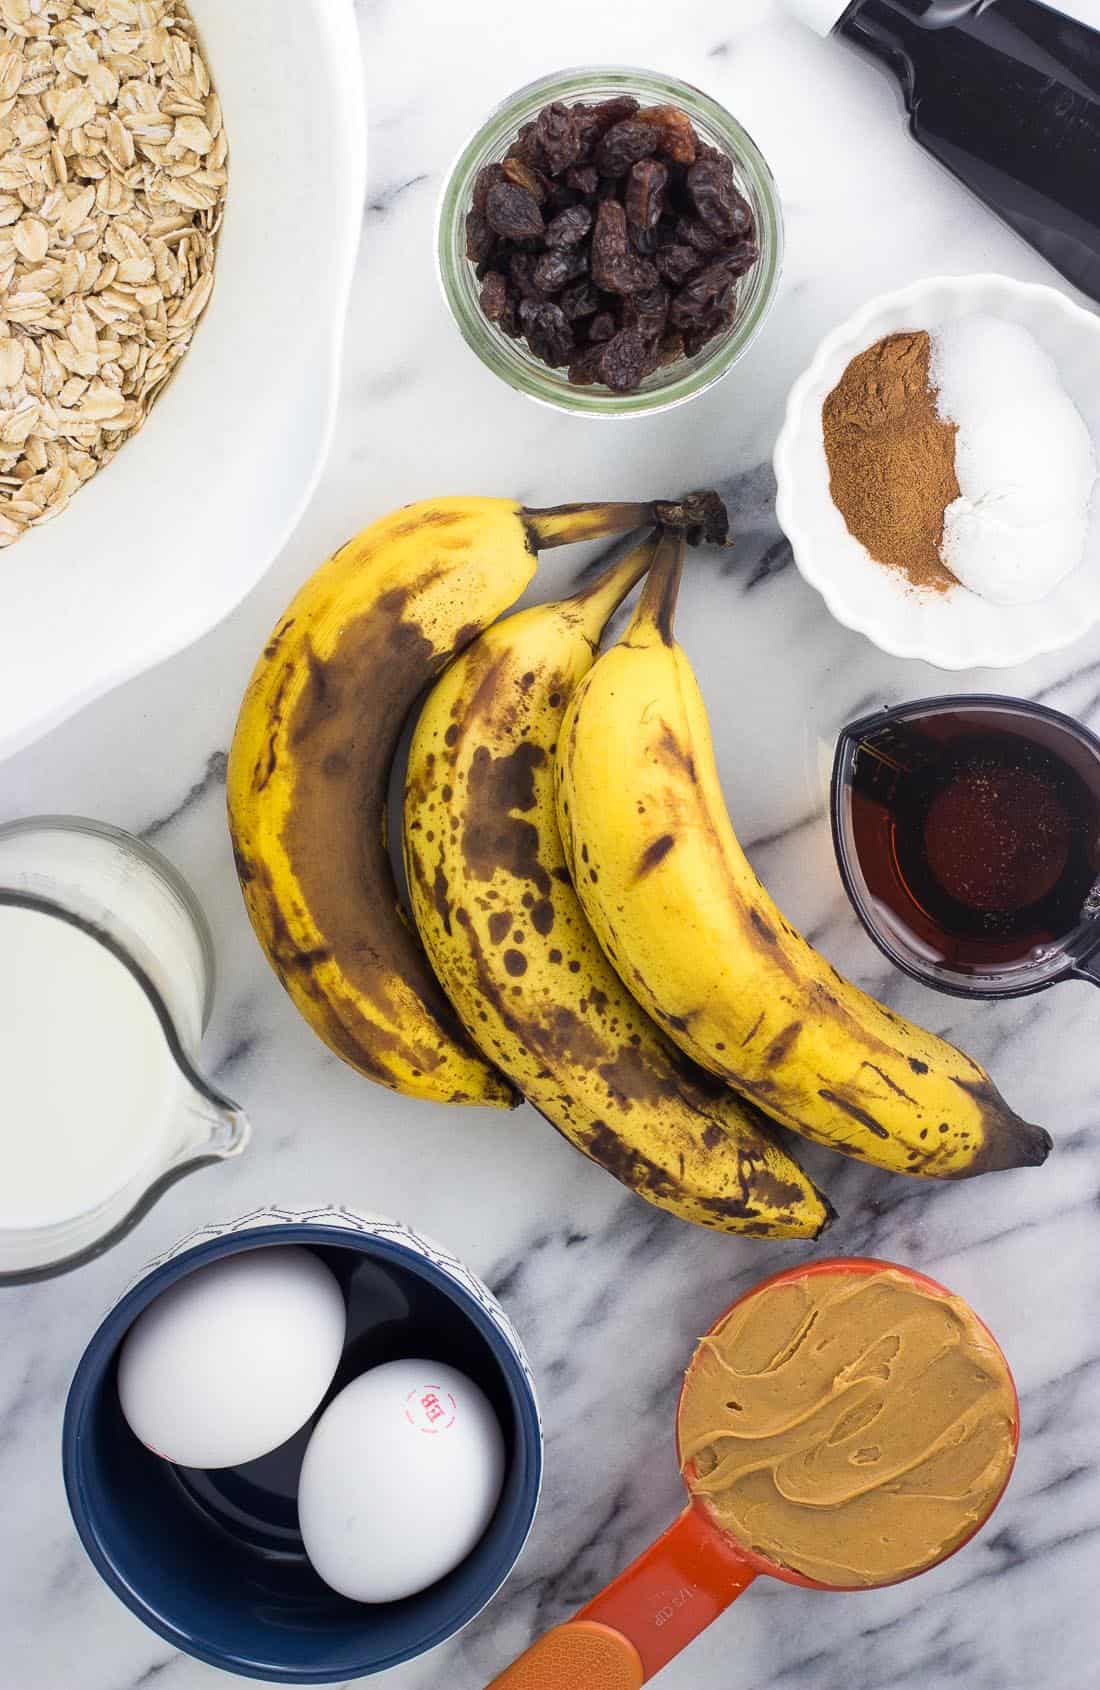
(510, 359)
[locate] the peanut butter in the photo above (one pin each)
(854, 1428)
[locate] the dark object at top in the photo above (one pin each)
(1006, 95)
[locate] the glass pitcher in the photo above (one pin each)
(129, 900)
(919, 855)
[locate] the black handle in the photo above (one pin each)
(939, 14)
(1007, 97)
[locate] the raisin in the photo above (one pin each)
(581, 300)
(526, 176)
(558, 267)
(602, 327)
(596, 120)
(499, 301)
(527, 147)
(583, 178)
(676, 139)
(548, 334)
(695, 339)
(744, 221)
(486, 178)
(559, 135)
(722, 160)
(609, 242)
(647, 312)
(692, 231)
(623, 145)
(512, 211)
(584, 371)
(569, 226)
(644, 202)
(521, 268)
(637, 278)
(624, 361)
(614, 267)
(703, 297)
(741, 256)
(480, 239)
(676, 263)
(494, 295)
(671, 347)
(716, 200)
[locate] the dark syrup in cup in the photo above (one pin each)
(968, 837)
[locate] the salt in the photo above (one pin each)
(1024, 460)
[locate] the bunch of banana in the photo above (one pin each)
(698, 941)
(507, 936)
(310, 763)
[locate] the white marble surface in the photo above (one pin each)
(608, 1293)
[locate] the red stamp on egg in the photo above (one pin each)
(431, 1409)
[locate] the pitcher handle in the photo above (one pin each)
(627, 1633)
(1088, 968)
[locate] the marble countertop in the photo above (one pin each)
(608, 1293)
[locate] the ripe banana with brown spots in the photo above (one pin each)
(508, 938)
(310, 763)
(699, 942)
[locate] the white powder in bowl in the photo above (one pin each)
(1024, 459)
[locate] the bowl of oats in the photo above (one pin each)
(173, 289)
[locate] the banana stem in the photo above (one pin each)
(561, 525)
(657, 605)
(598, 601)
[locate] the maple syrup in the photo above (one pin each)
(969, 838)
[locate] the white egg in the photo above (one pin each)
(232, 1360)
(400, 1480)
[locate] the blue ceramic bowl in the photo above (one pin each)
(213, 1561)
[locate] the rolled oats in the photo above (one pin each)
(112, 188)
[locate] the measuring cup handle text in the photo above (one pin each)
(627, 1633)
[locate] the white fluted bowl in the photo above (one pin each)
(172, 535)
(953, 630)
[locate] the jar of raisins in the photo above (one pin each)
(554, 357)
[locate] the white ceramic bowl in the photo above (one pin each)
(171, 535)
(955, 630)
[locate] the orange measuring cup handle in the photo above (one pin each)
(579, 1653)
(648, 1614)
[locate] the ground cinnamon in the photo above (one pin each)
(892, 458)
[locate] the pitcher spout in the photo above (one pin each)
(216, 1127)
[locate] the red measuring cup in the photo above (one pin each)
(675, 1588)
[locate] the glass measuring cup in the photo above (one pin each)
(691, 1575)
(884, 759)
(131, 902)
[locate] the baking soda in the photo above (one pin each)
(1024, 460)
